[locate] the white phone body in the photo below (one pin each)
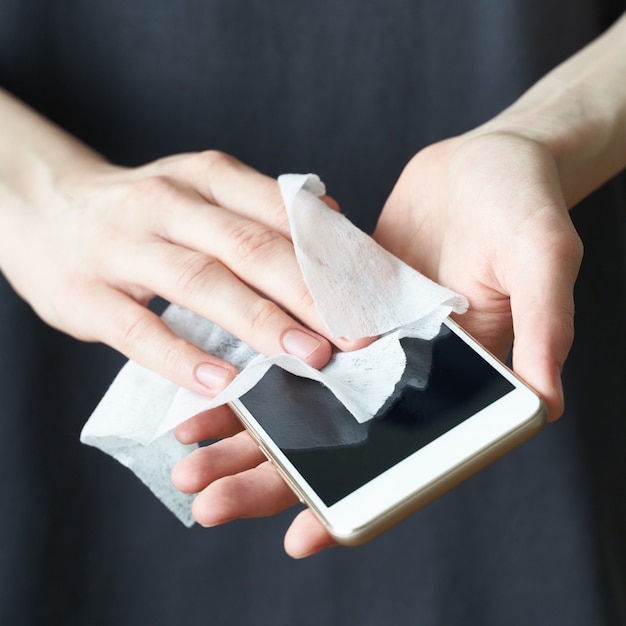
(361, 479)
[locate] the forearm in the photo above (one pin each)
(578, 112)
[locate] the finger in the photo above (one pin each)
(205, 286)
(256, 254)
(117, 320)
(225, 181)
(226, 457)
(216, 423)
(307, 536)
(195, 273)
(257, 492)
(542, 305)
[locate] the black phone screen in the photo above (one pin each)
(445, 383)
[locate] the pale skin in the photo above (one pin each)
(89, 244)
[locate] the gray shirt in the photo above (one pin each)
(350, 90)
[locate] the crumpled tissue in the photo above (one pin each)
(359, 289)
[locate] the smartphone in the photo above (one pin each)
(455, 410)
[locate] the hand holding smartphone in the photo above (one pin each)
(455, 410)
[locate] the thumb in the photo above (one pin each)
(542, 307)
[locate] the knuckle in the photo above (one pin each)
(195, 272)
(139, 338)
(568, 250)
(271, 204)
(577, 248)
(261, 315)
(131, 332)
(151, 190)
(279, 215)
(174, 357)
(215, 159)
(305, 299)
(566, 241)
(253, 241)
(567, 325)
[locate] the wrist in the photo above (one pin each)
(585, 138)
(577, 113)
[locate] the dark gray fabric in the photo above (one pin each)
(350, 90)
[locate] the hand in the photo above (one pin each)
(233, 479)
(482, 214)
(90, 249)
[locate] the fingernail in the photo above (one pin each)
(300, 344)
(212, 376)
